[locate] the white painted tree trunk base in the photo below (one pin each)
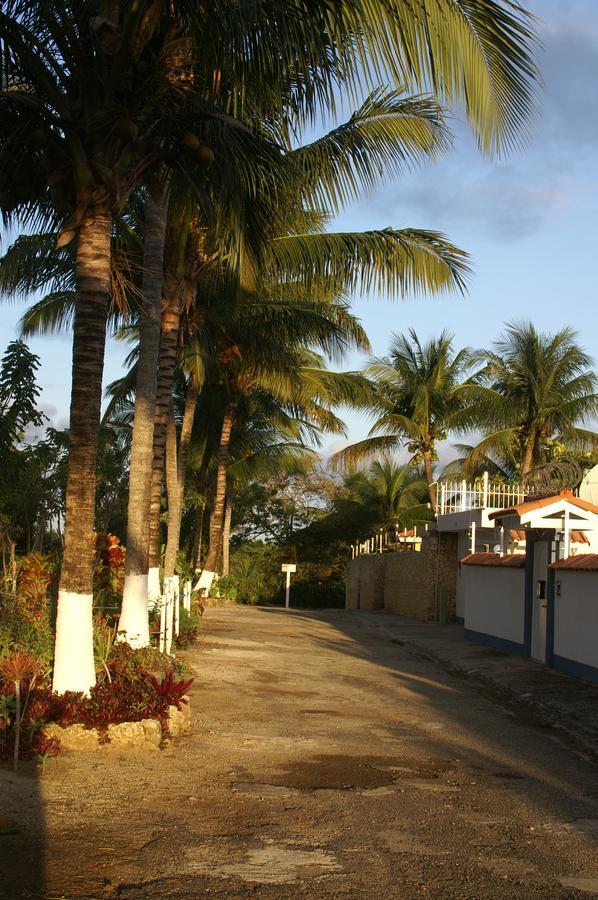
(133, 625)
(74, 667)
(205, 582)
(154, 591)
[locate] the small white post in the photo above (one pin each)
(473, 524)
(502, 540)
(162, 602)
(567, 535)
(177, 608)
(485, 500)
(169, 619)
(442, 498)
(463, 495)
(288, 568)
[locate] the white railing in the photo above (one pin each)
(458, 496)
(391, 538)
(170, 605)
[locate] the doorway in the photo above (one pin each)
(540, 601)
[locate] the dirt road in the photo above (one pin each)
(325, 761)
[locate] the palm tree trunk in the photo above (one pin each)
(74, 668)
(427, 459)
(527, 462)
(176, 494)
(168, 348)
(217, 516)
(228, 514)
(133, 621)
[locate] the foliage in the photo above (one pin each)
(35, 575)
(109, 572)
(535, 393)
(190, 624)
(126, 662)
(316, 586)
(126, 698)
(25, 615)
(18, 394)
(15, 669)
(422, 393)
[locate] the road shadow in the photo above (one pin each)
(22, 833)
(524, 753)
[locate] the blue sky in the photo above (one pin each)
(530, 223)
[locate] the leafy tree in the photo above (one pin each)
(536, 391)
(18, 394)
(422, 394)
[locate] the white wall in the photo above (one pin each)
(493, 598)
(576, 616)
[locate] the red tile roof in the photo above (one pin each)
(511, 561)
(529, 505)
(583, 562)
(519, 534)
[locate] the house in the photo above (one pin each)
(542, 603)
(469, 510)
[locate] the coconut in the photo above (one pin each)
(191, 142)
(127, 130)
(205, 154)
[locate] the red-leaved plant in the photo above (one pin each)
(122, 700)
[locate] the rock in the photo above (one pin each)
(145, 734)
(74, 737)
(179, 720)
(153, 732)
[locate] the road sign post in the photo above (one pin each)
(288, 568)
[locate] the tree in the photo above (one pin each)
(92, 102)
(535, 392)
(422, 393)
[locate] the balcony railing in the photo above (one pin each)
(459, 496)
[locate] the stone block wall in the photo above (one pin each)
(365, 582)
(408, 584)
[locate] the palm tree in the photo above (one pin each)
(270, 366)
(536, 390)
(422, 393)
(88, 107)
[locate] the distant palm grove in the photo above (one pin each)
(157, 185)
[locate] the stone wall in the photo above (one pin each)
(408, 584)
(365, 583)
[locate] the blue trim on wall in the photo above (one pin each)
(528, 605)
(578, 669)
(498, 643)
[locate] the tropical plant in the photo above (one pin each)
(535, 393)
(94, 103)
(423, 392)
(20, 666)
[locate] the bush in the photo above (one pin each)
(190, 624)
(313, 593)
(124, 699)
(25, 617)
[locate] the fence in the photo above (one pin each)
(459, 496)
(453, 497)
(390, 538)
(170, 606)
